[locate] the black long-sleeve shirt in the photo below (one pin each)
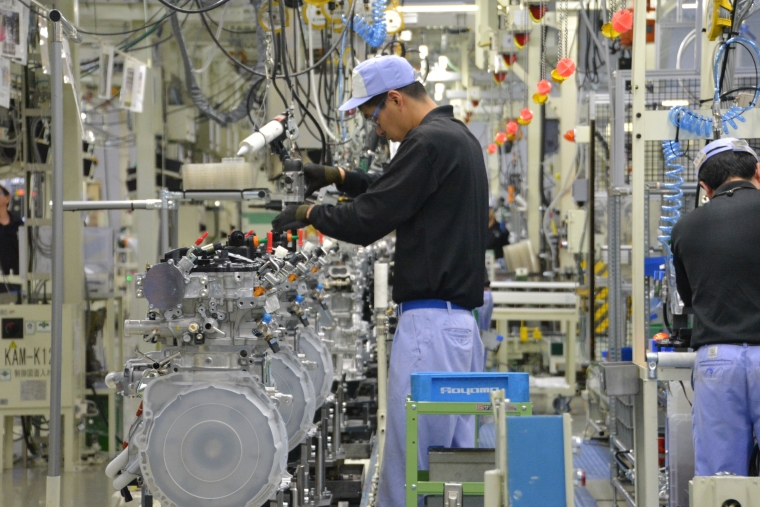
(434, 194)
(717, 262)
(9, 245)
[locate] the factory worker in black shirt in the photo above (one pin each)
(716, 254)
(434, 194)
(9, 224)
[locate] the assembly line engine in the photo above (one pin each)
(239, 376)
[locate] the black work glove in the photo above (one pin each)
(293, 217)
(318, 176)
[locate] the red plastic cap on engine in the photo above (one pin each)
(201, 239)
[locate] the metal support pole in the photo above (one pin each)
(619, 164)
(54, 450)
(534, 171)
(591, 229)
(616, 330)
(614, 283)
(645, 409)
(111, 205)
(381, 330)
(174, 237)
(302, 474)
(647, 286)
(319, 470)
(164, 223)
(381, 303)
(60, 25)
(338, 418)
(146, 499)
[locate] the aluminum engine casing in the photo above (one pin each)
(194, 427)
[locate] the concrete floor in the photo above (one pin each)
(89, 487)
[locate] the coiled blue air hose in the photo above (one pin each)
(684, 118)
(673, 201)
(671, 212)
(373, 34)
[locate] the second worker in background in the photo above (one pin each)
(434, 194)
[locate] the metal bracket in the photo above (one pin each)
(623, 191)
(652, 359)
(452, 494)
(167, 199)
(285, 481)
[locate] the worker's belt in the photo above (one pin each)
(428, 303)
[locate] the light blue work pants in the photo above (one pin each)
(427, 339)
(726, 408)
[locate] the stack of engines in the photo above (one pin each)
(350, 291)
(239, 375)
(348, 332)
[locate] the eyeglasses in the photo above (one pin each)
(372, 120)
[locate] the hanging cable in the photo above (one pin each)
(251, 70)
(315, 97)
(177, 8)
(194, 91)
(210, 56)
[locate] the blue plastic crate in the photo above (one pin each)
(469, 387)
(652, 265)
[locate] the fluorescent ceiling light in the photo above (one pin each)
(438, 76)
(675, 102)
(438, 8)
(689, 6)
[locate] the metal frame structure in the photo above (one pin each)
(539, 301)
(417, 482)
(652, 126)
(60, 27)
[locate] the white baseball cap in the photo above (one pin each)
(378, 75)
(721, 145)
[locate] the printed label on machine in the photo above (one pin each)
(33, 390)
(13, 355)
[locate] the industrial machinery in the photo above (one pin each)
(25, 372)
(232, 389)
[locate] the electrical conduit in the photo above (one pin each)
(314, 94)
(194, 91)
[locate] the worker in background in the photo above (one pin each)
(498, 235)
(9, 224)
(717, 266)
(498, 238)
(434, 194)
